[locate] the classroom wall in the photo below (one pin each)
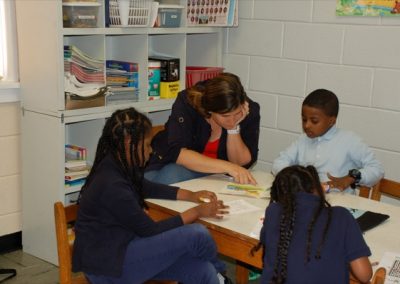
(282, 50)
(10, 187)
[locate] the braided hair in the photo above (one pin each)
(287, 183)
(124, 126)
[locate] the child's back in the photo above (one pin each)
(306, 240)
(343, 243)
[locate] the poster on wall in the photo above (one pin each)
(368, 8)
(212, 13)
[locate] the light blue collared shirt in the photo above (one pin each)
(336, 152)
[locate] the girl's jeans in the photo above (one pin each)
(187, 254)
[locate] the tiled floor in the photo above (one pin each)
(32, 270)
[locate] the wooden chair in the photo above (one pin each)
(364, 191)
(387, 187)
(155, 129)
(379, 276)
(63, 217)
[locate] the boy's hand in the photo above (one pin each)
(340, 183)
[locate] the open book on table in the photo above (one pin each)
(260, 190)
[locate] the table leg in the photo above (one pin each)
(242, 273)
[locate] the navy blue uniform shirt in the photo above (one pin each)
(344, 243)
(110, 216)
(186, 128)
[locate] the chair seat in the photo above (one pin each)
(80, 279)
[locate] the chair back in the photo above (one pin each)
(379, 276)
(65, 238)
(155, 129)
(387, 187)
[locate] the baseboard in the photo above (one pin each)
(11, 242)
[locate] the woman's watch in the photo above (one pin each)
(234, 131)
(356, 175)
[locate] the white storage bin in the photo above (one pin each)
(128, 13)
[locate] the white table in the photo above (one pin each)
(383, 238)
(232, 234)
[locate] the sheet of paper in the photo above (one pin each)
(240, 206)
(255, 232)
(391, 262)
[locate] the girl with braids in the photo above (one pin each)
(305, 239)
(213, 128)
(116, 241)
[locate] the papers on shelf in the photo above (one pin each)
(261, 190)
(391, 262)
(240, 206)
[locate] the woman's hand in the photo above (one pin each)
(215, 209)
(240, 175)
(245, 112)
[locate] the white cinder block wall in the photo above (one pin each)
(282, 50)
(10, 189)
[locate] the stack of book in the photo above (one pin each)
(122, 79)
(76, 166)
(84, 75)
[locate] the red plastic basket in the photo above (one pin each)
(195, 74)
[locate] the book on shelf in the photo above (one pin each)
(77, 182)
(75, 152)
(75, 175)
(76, 165)
(122, 65)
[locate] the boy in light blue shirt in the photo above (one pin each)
(341, 158)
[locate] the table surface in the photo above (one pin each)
(380, 239)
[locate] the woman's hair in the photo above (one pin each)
(287, 183)
(221, 94)
(123, 124)
(324, 100)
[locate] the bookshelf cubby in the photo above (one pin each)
(47, 126)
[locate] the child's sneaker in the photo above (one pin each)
(254, 275)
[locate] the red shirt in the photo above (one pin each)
(211, 149)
